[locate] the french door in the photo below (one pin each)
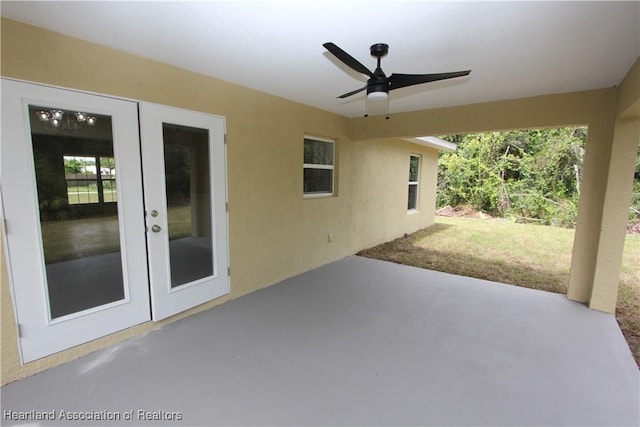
(79, 238)
(183, 159)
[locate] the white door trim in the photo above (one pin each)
(165, 300)
(39, 334)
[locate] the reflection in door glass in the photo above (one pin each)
(75, 176)
(188, 189)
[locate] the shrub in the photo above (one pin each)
(528, 175)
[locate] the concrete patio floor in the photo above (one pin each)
(357, 342)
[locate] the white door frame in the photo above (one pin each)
(40, 335)
(167, 301)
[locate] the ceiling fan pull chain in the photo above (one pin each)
(387, 118)
(366, 106)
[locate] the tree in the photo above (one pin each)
(634, 209)
(529, 175)
(73, 165)
(107, 163)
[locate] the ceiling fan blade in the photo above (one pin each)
(353, 92)
(347, 59)
(403, 80)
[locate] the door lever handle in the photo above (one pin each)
(155, 228)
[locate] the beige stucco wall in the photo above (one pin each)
(265, 172)
(615, 214)
(619, 184)
(274, 233)
(612, 115)
(577, 108)
(594, 108)
(628, 99)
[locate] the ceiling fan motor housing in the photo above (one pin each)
(380, 84)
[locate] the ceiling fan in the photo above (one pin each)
(379, 85)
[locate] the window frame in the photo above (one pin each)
(98, 181)
(414, 183)
(330, 167)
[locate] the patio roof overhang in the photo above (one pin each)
(433, 142)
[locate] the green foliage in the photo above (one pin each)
(177, 174)
(634, 209)
(52, 189)
(527, 175)
(73, 165)
(107, 162)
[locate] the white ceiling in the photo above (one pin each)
(514, 49)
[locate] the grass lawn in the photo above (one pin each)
(532, 256)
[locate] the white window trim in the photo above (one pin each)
(416, 183)
(325, 167)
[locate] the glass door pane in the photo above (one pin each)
(75, 178)
(188, 192)
(183, 160)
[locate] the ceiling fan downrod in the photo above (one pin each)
(378, 83)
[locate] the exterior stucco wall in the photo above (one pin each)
(274, 232)
(265, 169)
(593, 108)
(615, 215)
(612, 117)
(619, 186)
(628, 100)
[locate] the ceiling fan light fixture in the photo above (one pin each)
(377, 96)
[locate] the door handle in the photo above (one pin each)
(155, 228)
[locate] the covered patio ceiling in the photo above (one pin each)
(514, 49)
(359, 342)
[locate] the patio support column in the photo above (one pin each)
(609, 167)
(590, 208)
(615, 213)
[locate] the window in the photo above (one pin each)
(85, 184)
(414, 174)
(318, 167)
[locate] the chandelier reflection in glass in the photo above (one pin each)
(53, 119)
